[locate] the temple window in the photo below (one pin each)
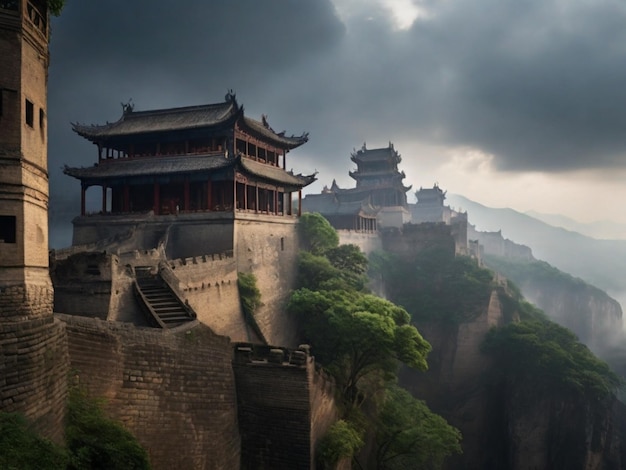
(271, 157)
(241, 146)
(252, 150)
(8, 229)
(262, 154)
(30, 114)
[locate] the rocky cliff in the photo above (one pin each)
(588, 311)
(509, 424)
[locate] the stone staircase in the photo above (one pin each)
(163, 307)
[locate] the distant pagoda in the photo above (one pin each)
(377, 174)
(379, 195)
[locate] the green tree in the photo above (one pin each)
(342, 440)
(96, 442)
(540, 352)
(436, 285)
(355, 335)
(410, 436)
(318, 272)
(316, 233)
(348, 258)
(22, 449)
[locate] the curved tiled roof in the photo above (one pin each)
(255, 127)
(161, 120)
(149, 166)
(275, 173)
(190, 117)
(121, 168)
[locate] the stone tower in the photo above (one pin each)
(32, 344)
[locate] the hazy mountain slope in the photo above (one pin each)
(599, 262)
(603, 229)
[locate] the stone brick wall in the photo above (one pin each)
(209, 284)
(268, 248)
(33, 370)
(82, 284)
(367, 242)
(174, 390)
(285, 406)
(414, 238)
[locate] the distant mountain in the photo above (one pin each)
(601, 263)
(603, 229)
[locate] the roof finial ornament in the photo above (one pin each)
(265, 123)
(230, 95)
(364, 148)
(127, 108)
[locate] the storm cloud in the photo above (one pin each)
(537, 84)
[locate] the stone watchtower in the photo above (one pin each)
(32, 345)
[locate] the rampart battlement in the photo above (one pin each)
(259, 355)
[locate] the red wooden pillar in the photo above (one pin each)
(83, 189)
(126, 203)
(289, 204)
(299, 202)
(104, 198)
(187, 206)
(256, 199)
(157, 201)
(276, 202)
(245, 196)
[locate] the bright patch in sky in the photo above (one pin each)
(402, 13)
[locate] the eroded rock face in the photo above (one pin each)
(507, 425)
(590, 313)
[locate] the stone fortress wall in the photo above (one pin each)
(174, 390)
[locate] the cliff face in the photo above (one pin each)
(591, 314)
(588, 311)
(508, 425)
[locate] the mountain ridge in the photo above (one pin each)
(598, 262)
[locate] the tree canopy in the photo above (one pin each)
(316, 233)
(410, 436)
(435, 284)
(355, 334)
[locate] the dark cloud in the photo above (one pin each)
(539, 83)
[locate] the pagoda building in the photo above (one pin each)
(379, 197)
(430, 206)
(377, 175)
(193, 164)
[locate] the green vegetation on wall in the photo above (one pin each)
(95, 442)
(250, 297)
(22, 449)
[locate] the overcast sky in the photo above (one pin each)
(510, 103)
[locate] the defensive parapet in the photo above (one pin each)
(284, 405)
